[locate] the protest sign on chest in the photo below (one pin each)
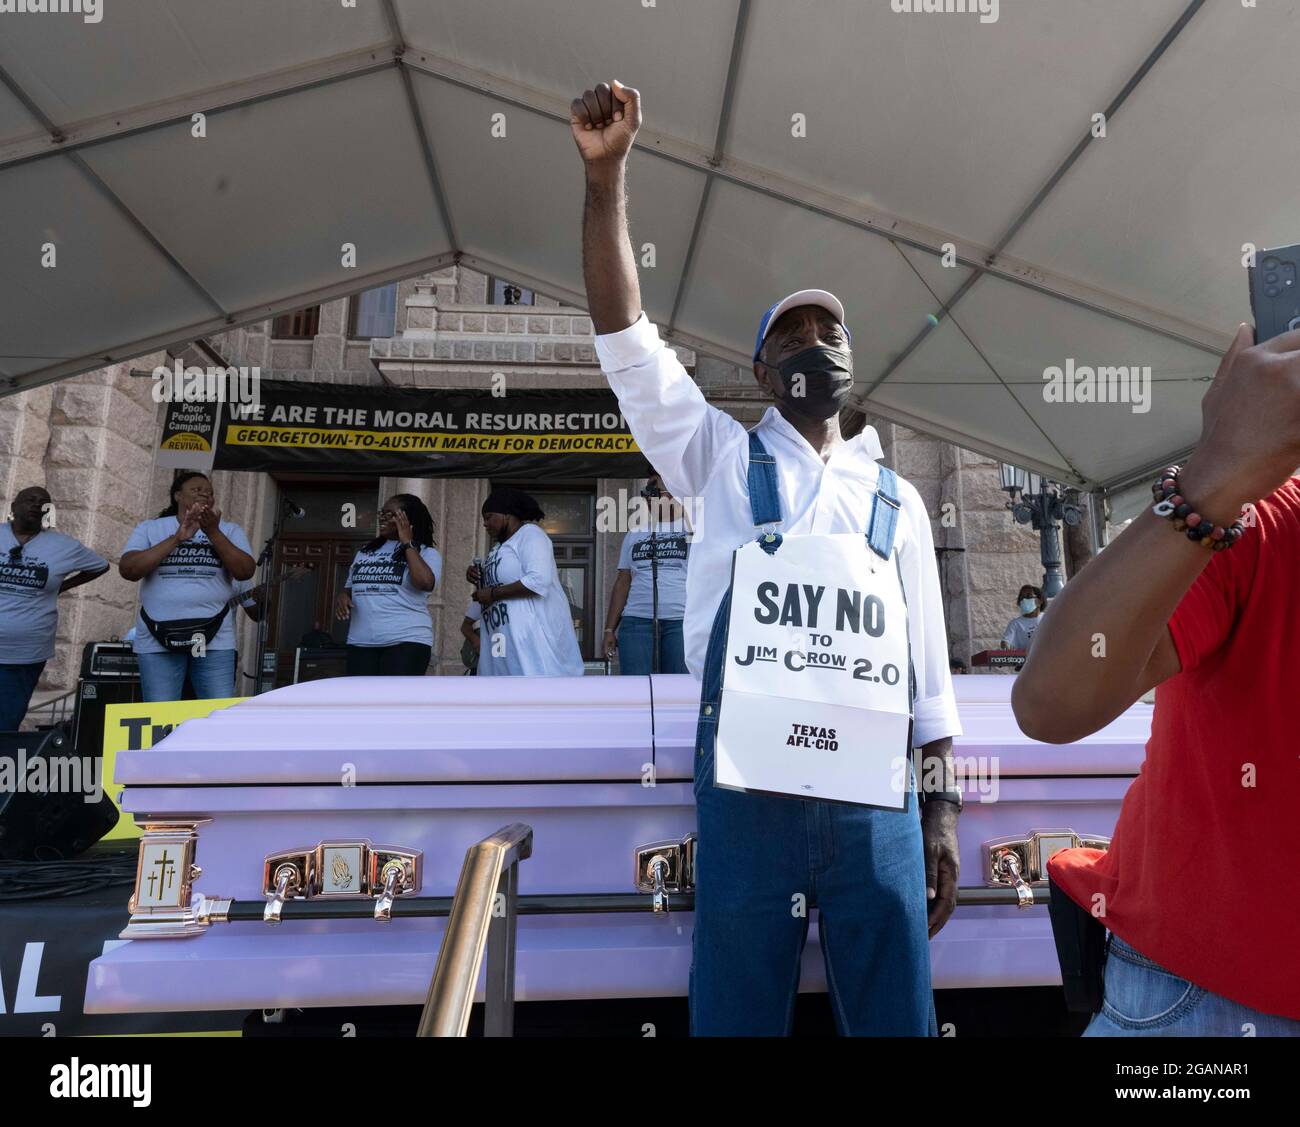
(816, 694)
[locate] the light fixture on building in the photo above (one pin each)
(1041, 502)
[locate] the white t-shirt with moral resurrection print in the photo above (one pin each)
(671, 550)
(387, 607)
(530, 636)
(29, 590)
(191, 582)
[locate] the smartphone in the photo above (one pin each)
(1275, 292)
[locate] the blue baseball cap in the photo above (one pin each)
(827, 301)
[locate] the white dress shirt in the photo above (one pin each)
(702, 456)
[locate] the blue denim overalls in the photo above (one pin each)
(760, 859)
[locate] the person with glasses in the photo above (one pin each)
(189, 563)
(386, 600)
(37, 564)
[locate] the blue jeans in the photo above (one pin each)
(162, 676)
(756, 857)
(636, 646)
(1142, 999)
(17, 683)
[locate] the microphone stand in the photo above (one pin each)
(264, 576)
(654, 589)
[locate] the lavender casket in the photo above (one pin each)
(395, 778)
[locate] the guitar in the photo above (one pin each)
(256, 593)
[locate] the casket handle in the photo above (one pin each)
(1008, 864)
(287, 881)
(1021, 862)
(393, 874)
(663, 867)
(659, 872)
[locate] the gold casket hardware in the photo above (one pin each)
(1021, 862)
(163, 902)
(663, 867)
(341, 870)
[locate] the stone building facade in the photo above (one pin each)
(90, 441)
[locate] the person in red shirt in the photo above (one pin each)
(1200, 888)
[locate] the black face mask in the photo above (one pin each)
(827, 380)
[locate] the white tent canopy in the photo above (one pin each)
(787, 143)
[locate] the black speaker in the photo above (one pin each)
(109, 675)
(314, 663)
(44, 786)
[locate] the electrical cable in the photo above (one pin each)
(38, 880)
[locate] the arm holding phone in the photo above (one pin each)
(1249, 446)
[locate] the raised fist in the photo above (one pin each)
(604, 122)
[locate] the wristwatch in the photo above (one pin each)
(954, 796)
(407, 545)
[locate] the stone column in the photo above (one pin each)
(24, 435)
(1001, 554)
(327, 346)
(417, 319)
(954, 565)
(98, 463)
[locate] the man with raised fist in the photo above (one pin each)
(791, 506)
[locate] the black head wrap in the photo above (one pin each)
(513, 503)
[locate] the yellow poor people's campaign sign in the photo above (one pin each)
(136, 727)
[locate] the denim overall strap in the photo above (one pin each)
(764, 494)
(864, 868)
(884, 514)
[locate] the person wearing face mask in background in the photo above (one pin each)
(884, 878)
(1020, 631)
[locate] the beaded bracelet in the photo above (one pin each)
(1171, 504)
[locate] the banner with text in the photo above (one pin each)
(429, 432)
(189, 434)
(137, 726)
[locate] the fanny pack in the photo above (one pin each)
(176, 635)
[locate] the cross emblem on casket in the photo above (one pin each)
(165, 876)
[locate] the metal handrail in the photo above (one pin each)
(65, 708)
(483, 918)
